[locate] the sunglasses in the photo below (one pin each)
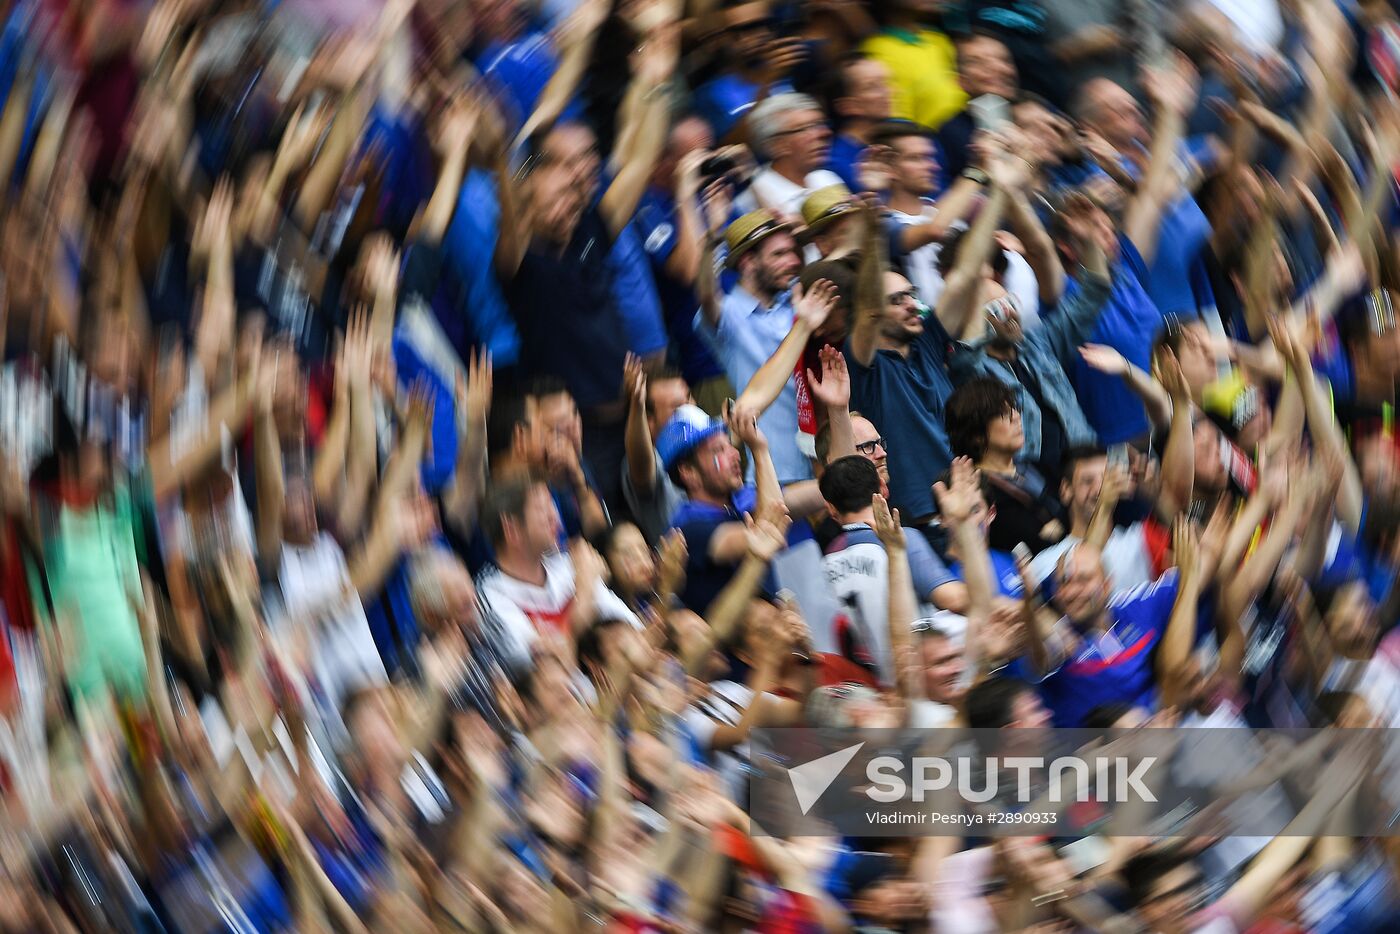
(868, 447)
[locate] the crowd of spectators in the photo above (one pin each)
(434, 434)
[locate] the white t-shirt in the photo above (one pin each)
(316, 592)
(724, 703)
(770, 190)
(525, 609)
(922, 267)
(858, 577)
(1126, 558)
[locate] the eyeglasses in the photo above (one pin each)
(804, 128)
(899, 298)
(868, 447)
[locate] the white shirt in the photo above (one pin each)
(527, 611)
(922, 267)
(724, 704)
(1126, 558)
(1258, 23)
(770, 190)
(317, 593)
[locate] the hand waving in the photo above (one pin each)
(834, 390)
(957, 501)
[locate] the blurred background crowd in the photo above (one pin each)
(435, 433)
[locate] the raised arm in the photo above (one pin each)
(1173, 92)
(744, 424)
(956, 502)
(1155, 399)
(213, 244)
(903, 606)
(958, 303)
(473, 397)
(683, 264)
(574, 40)
(716, 202)
(1289, 506)
(655, 62)
(1195, 558)
(271, 482)
(953, 206)
(1322, 422)
(452, 140)
(641, 450)
(1179, 458)
(870, 291)
(833, 391)
(811, 309)
(1041, 254)
(362, 452)
(763, 538)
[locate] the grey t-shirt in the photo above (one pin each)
(652, 511)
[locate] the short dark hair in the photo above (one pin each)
(971, 408)
(509, 411)
(542, 386)
(665, 374)
(590, 644)
(887, 131)
(951, 250)
(822, 443)
(837, 84)
(1074, 456)
(1143, 871)
(840, 273)
(989, 702)
(506, 500)
(848, 483)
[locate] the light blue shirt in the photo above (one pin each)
(748, 334)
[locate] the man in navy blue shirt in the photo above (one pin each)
(699, 457)
(555, 251)
(898, 354)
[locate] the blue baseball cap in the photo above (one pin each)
(688, 428)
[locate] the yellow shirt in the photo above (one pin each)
(923, 74)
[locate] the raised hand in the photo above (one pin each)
(671, 556)
(456, 126)
(834, 390)
(300, 137)
(958, 500)
(1105, 359)
(873, 169)
(211, 231)
(473, 393)
(1184, 545)
(743, 423)
(765, 537)
(634, 381)
(716, 200)
(1167, 370)
(688, 174)
(812, 305)
(886, 524)
(1173, 88)
(382, 267)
